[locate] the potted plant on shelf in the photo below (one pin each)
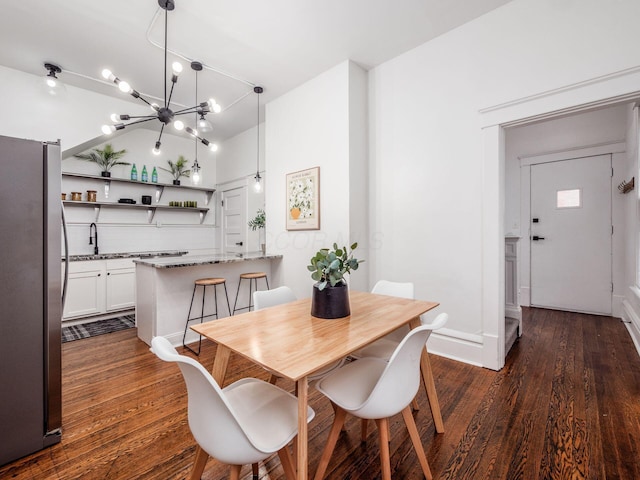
(328, 267)
(105, 158)
(178, 169)
(258, 223)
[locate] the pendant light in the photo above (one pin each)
(52, 84)
(196, 176)
(258, 186)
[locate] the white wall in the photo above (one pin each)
(308, 127)
(430, 184)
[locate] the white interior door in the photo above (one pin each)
(234, 219)
(571, 235)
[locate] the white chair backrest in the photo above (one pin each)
(400, 380)
(211, 418)
(394, 289)
(269, 298)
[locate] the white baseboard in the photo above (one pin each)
(513, 312)
(455, 348)
(632, 322)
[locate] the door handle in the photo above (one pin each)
(239, 244)
(536, 238)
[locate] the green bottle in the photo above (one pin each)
(154, 175)
(145, 177)
(134, 172)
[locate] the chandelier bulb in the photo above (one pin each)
(156, 149)
(178, 125)
(124, 87)
(108, 75)
(115, 117)
(213, 147)
(176, 67)
(108, 129)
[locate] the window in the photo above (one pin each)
(569, 198)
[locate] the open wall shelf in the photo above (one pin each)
(151, 209)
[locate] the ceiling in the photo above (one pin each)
(277, 44)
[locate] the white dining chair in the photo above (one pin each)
(373, 388)
(243, 423)
(278, 296)
(384, 347)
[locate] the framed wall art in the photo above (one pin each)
(303, 199)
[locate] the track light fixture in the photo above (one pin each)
(51, 84)
(258, 186)
(162, 113)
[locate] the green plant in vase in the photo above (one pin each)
(330, 292)
(258, 223)
(177, 169)
(105, 158)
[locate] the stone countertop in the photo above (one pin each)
(196, 260)
(109, 256)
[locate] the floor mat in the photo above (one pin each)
(86, 330)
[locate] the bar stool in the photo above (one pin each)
(252, 277)
(204, 283)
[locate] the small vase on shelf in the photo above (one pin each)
(145, 175)
(134, 173)
(154, 175)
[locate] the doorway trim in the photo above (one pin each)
(617, 87)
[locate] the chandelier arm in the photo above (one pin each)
(186, 111)
(144, 99)
(173, 84)
(139, 121)
(149, 117)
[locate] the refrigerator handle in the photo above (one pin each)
(66, 257)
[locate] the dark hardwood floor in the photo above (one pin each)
(565, 406)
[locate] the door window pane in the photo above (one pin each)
(569, 198)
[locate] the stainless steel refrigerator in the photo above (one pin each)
(30, 297)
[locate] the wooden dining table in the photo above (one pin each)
(287, 340)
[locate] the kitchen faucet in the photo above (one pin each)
(93, 227)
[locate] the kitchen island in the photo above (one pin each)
(164, 287)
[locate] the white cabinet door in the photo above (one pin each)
(85, 290)
(121, 285)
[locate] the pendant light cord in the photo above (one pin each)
(166, 14)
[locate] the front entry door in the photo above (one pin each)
(234, 218)
(571, 235)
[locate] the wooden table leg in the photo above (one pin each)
(430, 386)
(302, 453)
(218, 372)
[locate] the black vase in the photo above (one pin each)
(330, 302)
(105, 174)
(176, 182)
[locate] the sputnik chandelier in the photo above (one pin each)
(163, 113)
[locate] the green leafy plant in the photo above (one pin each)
(178, 169)
(259, 220)
(329, 266)
(105, 158)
